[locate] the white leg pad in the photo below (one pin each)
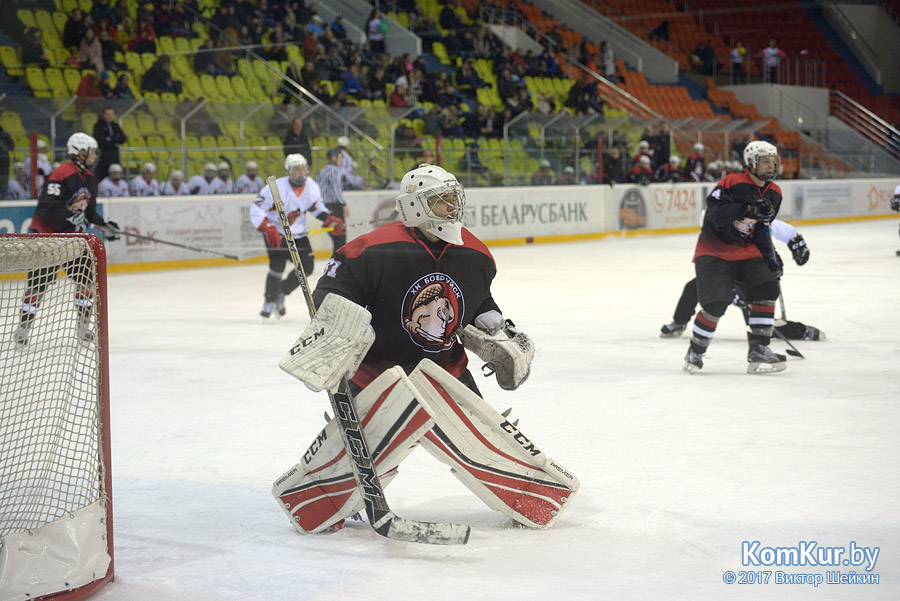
(320, 490)
(489, 454)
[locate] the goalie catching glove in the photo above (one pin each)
(506, 351)
(332, 346)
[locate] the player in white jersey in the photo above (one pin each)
(349, 170)
(222, 183)
(17, 187)
(250, 182)
(300, 194)
(43, 166)
(202, 184)
(113, 185)
(145, 184)
(175, 186)
(895, 204)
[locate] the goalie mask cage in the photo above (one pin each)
(56, 536)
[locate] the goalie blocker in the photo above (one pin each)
(486, 452)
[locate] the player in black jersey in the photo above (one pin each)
(67, 203)
(735, 245)
(397, 310)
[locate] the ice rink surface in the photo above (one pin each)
(676, 470)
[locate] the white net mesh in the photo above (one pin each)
(51, 458)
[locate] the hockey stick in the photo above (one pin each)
(792, 351)
(382, 519)
(193, 248)
(322, 230)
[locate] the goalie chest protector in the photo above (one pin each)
(420, 295)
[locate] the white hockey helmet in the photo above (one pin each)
(643, 145)
(297, 168)
(756, 150)
(149, 168)
(698, 147)
(41, 145)
(433, 200)
(79, 147)
(252, 166)
(209, 167)
(343, 142)
(223, 166)
(645, 161)
(177, 176)
(674, 159)
(19, 167)
(116, 168)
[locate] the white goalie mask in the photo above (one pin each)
(297, 168)
(756, 150)
(433, 200)
(83, 150)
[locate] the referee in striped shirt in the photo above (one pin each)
(329, 181)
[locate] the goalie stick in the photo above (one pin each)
(193, 248)
(382, 519)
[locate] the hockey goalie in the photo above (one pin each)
(396, 310)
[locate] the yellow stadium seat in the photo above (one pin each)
(130, 127)
(193, 142)
(85, 6)
(58, 57)
(35, 79)
(9, 58)
(209, 146)
(256, 91)
(192, 88)
(56, 82)
(223, 84)
(208, 85)
(88, 120)
(44, 21)
(133, 62)
(145, 122)
(181, 69)
(69, 5)
(151, 95)
(225, 142)
(59, 21)
(182, 45)
(239, 86)
(26, 17)
(72, 77)
(148, 60)
(165, 45)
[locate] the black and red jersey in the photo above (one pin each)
(420, 294)
(726, 204)
(65, 184)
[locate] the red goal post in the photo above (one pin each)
(56, 523)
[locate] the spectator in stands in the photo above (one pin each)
(337, 27)
(91, 51)
(316, 25)
(451, 126)
(205, 58)
(615, 166)
(106, 90)
(544, 175)
(89, 86)
(695, 166)
(521, 103)
(32, 49)
(224, 60)
(642, 171)
(467, 80)
(296, 140)
(661, 143)
(6, 147)
(17, 190)
(74, 29)
(480, 122)
(376, 84)
(352, 85)
(145, 184)
(568, 177)
(144, 39)
(109, 136)
(312, 47)
(484, 45)
(125, 28)
(660, 32)
(279, 39)
(546, 103)
(405, 136)
(158, 77)
(772, 56)
(448, 18)
(180, 22)
(120, 11)
(376, 28)
(506, 87)
(670, 171)
(427, 159)
(122, 89)
(546, 65)
(401, 96)
(106, 25)
(113, 186)
(426, 28)
(110, 46)
(225, 18)
(101, 9)
(737, 61)
(287, 90)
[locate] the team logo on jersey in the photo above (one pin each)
(432, 310)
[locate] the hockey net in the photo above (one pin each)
(55, 484)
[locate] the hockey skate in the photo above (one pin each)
(22, 334)
(761, 360)
(279, 306)
(672, 330)
(693, 362)
(266, 310)
(812, 333)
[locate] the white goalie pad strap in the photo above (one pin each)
(489, 454)
(332, 345)
(508, 353)
(321, 490)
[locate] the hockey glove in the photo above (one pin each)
(508, 353)
(110, 230)
(895, 203)
(337, 223)
(799, 249)
(761, 209)
(776, 266)
(273, 237)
